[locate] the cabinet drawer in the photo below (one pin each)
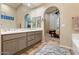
(21, 43)
(30, 33)
(38, 32)
(12, 36)
(9, 47)
(37, 40)
(39, 36)
(30, 43)
(31, 37)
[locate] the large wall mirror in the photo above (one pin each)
(36, 22)
(32, 22)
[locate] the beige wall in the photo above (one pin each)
(21, 12)
(10, 12)
(0, 34)
(65, 18)
(67, 11)
(46, 23)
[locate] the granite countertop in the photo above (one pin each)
(20, 31)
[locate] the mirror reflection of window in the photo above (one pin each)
(27, 21)
(34, 22)
(39, 22)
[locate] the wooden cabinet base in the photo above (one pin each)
(11, 44)
(26, 49)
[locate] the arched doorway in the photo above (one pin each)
(52, 24)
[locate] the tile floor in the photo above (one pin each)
(32, 50)
(53, 41)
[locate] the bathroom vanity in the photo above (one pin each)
(13, 42)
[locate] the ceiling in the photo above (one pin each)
(16, 5)
(51, 9)
(33, 5)
(13, 5)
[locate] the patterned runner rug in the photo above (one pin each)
(48, 49)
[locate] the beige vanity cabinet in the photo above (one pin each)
(9, 47)
(31, 38)
(34, 37)
(22, 43)
(13, 43)
(38, 36)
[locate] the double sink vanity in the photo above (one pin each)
(13, 42)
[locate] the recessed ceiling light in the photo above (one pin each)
(28, 4)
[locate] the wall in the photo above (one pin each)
(9, 11)
(66, 14)
(67, 11)
(0, 34)
(47, 23)
(21, 12)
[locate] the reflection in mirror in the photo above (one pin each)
(39, 22)
(27, 21)
(36, 22)
(32, 22)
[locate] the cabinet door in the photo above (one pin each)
(31, 37)
(21, 43)
(32, 42)
(38, 36)
(10, 47)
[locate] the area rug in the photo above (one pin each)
(49, 49)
